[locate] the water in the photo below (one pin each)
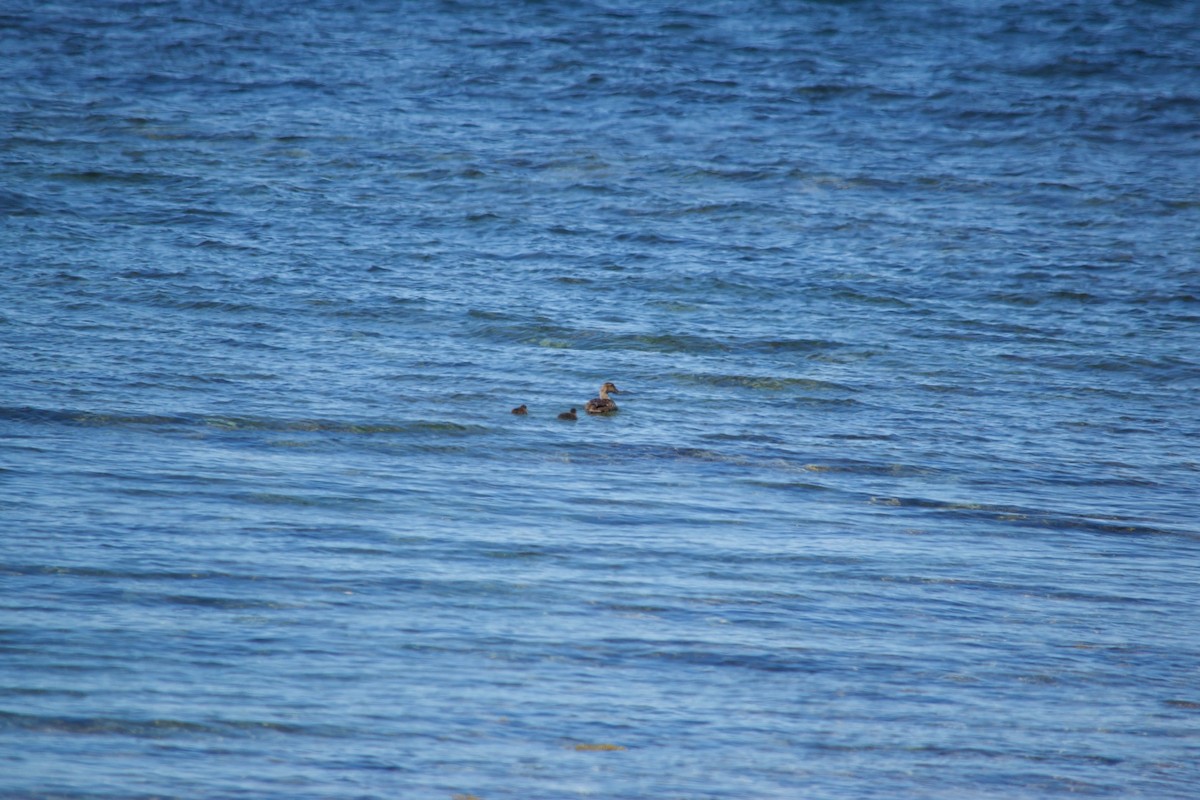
(901, 500)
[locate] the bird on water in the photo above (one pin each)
(520, 409)
(603, 404)
(569, 415)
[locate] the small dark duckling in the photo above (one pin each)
(602, 404)
(570, 416)
(520, 409)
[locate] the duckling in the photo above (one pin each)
(520, 409)
(602, 404)
(570, 416)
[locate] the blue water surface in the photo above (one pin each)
(902, 298)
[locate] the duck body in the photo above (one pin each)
(603, 404)
(520, 409)
(569, 415)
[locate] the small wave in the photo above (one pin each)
(856, 296)
(151, 274)
(100, 419)
(113, 176)
(172, 300)
(149, 728)
(88, 418)
(1039, 518)
(112, 573)
(1159, 370)
(304, 501)
(15, 204)
(226, 603)
(793, 345)
(872, 468)
(221, 244)
(790, 486)
(100, 726)
(337, 426)
(829, 91)
(1190, 705)
(742, 437)
(547, 334)
(1038, 298)
(762, 382)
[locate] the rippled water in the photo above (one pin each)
(902, 299)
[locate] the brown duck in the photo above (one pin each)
(569, 415)
(603, 404)
(520, 409)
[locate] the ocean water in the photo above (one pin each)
(903, 300)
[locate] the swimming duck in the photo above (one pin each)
(569, 415)
(602, 404)
(520, 409)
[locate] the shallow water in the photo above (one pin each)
(900, 501)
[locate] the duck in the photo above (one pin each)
(602, 404)
(520, 409)
(570, 416)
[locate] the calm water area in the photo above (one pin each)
(902, 300)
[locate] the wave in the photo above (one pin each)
(158, 728)
(761, 382)
(1039, 518)
(30, 415)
